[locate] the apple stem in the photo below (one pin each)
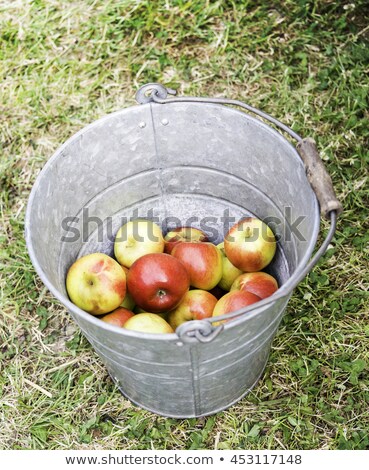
(248, 232)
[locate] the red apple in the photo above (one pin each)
(259, 283)
(203, 262)
(157, 282)
(96, 283)
(118, 317)
(233, 301)
(148, 323)
(250, 245)
(195, 305)
(183, 234)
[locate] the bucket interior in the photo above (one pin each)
(178, 164)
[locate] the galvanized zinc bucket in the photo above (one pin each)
(188, 161)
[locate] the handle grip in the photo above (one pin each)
(318, 177)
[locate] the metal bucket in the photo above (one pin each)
(193, 161)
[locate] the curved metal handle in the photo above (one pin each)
(319, 177)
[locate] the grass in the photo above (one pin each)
(64, 64)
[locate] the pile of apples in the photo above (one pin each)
(156, 283)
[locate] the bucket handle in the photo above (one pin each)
(316, 172)
(319, 179)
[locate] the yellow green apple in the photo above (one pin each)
(161, 314)
(128, 301)
(229, 271)
(137, 238)
(250, 244)
(96, 283)
(148, 323)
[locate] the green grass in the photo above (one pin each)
(64, 64)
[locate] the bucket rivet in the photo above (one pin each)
(142, 124)
(165, 122)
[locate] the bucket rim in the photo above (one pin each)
(252, 310)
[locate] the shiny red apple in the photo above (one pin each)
(157, 282)
(183, 234)
(203, 261)
(233, 301)
(96, 283)
(259, 283)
